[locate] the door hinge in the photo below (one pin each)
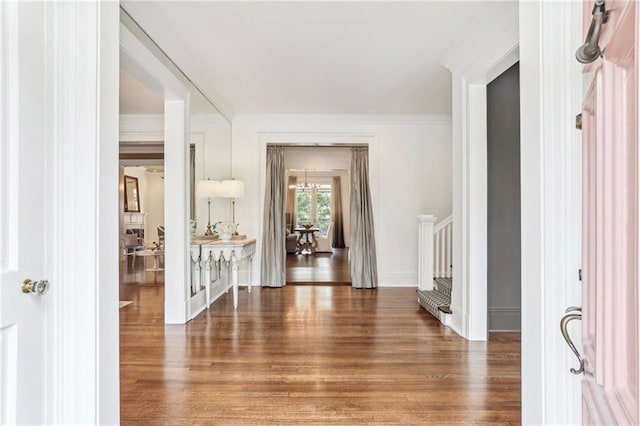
(579, 121)
(580, 274)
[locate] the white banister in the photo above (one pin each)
(425, 251)
(443, 248)
(435, 244)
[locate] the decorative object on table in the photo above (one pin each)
(194, 227)
(208, 189)
(308, 226)
(225, 230)
(232, 189)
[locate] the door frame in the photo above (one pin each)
(551, 173)
(82, 57)
(486, 50)
(313, 139)
(544, 37)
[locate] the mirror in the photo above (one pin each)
(131, 194)
(210, 139)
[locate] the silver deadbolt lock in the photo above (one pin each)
(39, 287)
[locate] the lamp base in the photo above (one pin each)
(209, 231)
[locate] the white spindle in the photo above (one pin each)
(442, 248)
(436, 252)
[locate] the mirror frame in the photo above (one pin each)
(131, 201)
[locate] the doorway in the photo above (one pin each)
(503, 202)
(317, 215)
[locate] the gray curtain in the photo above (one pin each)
(338, 223)
(274, 256)
(291, 201)
(364, 270)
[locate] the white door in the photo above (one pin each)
(23, 233)
(611, 225)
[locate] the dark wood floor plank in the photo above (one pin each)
(299, 355)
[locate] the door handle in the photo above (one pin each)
(39, 287)
(570, 316)
(590, 50)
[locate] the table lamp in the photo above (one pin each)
(208, 189)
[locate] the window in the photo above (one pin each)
(314, 205)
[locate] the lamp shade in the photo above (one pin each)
(208, 188)
(232, 189)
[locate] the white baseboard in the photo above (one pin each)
(395, 279)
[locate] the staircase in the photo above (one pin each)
(436, 247)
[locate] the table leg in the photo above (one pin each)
(206, 272)
(234, 279)
(250, 264)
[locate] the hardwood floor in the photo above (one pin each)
(319, 268)
(309, 355)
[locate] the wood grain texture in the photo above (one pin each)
(319, 268)
(304, 355)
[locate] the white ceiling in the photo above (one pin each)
(313, 57)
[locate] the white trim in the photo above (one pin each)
(488, 42)
(176, 213)
(550, 96)
(82, 102)
(486, 49)
(397, 279)
(108, 329)
(400, 119)
(9, 106)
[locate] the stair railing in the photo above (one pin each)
(442, 248)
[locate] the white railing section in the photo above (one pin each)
(442, 248)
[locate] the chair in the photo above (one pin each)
(291, 238)
(325, 241)
(131, 244)
(161, 236)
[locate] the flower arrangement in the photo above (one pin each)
(225, 227)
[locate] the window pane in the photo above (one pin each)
(304, 207)
(323, 200)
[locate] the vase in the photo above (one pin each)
(225, 236)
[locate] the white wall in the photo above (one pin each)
(410, 174)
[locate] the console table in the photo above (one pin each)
(234, 252)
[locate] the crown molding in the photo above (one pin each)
(400, 119)
(495, 30)
(142, 118)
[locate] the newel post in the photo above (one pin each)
(425, 251)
